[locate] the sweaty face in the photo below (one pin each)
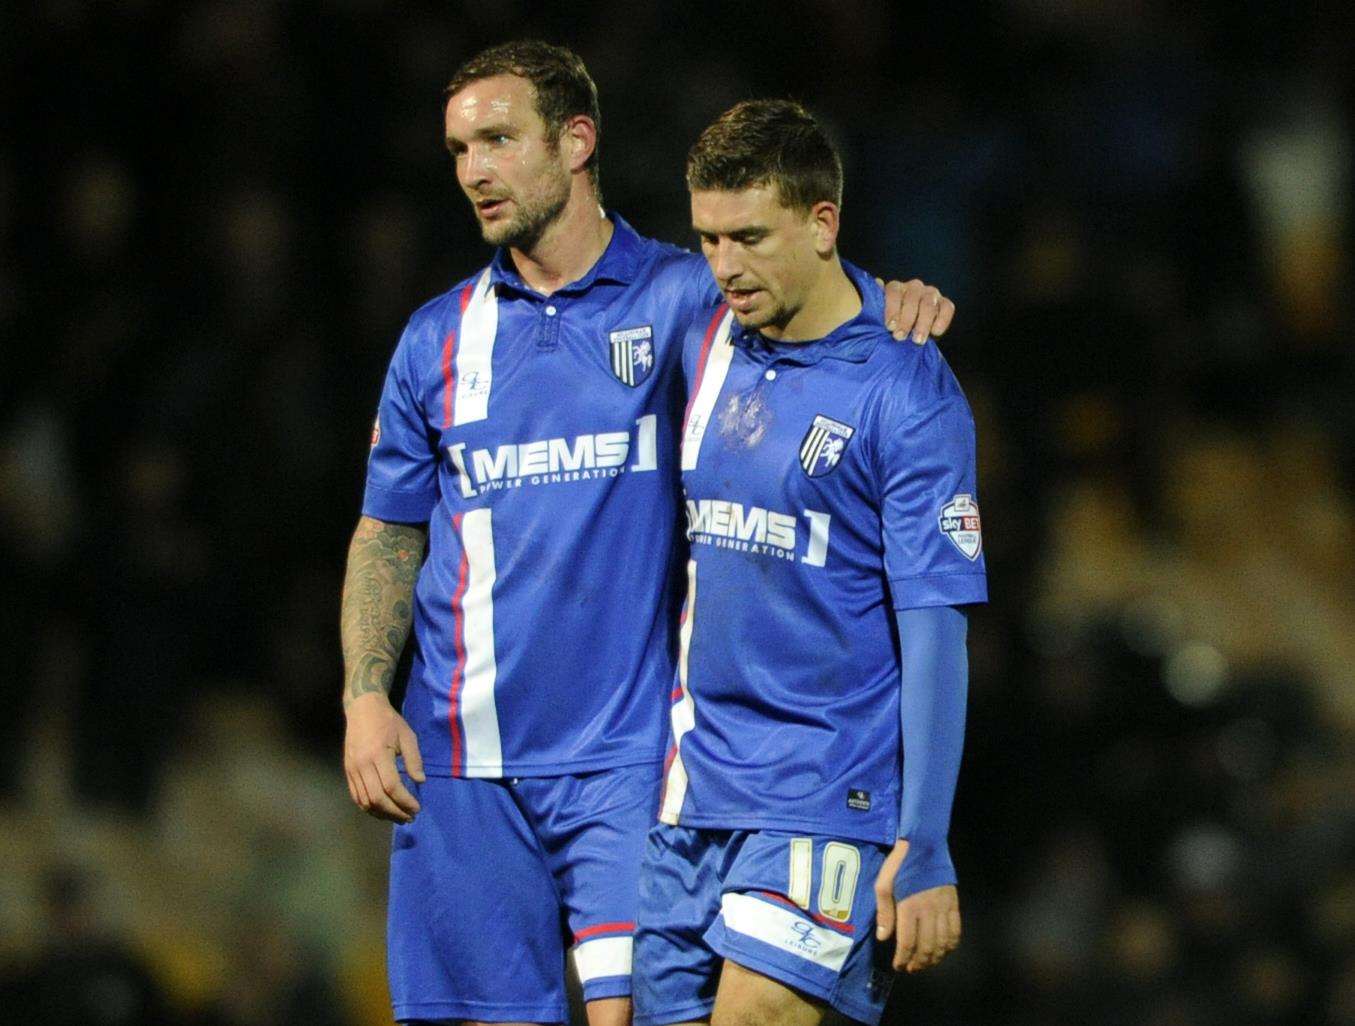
(761, 253)
(516, 179)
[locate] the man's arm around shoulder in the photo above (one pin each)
(377, 611)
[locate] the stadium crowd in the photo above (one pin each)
(214, 217)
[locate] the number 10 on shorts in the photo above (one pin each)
(837, 878)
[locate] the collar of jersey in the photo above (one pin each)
(854, 341)
(619, 263)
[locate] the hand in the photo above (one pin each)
(376, 734)
(927, 924)
(916, 307)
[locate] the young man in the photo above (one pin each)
(830, 493)
(528, 433)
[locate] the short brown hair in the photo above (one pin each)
(558, 75)
(762, 142)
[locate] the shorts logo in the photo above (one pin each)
(959, 522)
(823, 445)
(807, 935)
(632, 354)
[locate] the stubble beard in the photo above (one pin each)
(525, 228)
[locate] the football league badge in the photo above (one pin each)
(960, 523)
(632, 354)
(823, 445)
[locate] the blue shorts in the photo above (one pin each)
(494, 881)
(799, 909)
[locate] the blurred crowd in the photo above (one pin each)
(214, 217)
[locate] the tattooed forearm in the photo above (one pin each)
(378, 602)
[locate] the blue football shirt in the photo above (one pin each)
(537, 436)
(827, 484)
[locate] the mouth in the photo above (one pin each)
(490, 208)
(742, 300)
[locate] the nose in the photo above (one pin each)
(727, 265)
(471, 169)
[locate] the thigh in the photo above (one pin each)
(474, 917)
(591, 828)
(800, 910)
(676, 970)
(748, 998)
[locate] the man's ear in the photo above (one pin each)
(824, 224)
(580, 137)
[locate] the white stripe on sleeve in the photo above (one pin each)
(603, 956)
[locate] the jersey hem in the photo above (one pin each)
(607, 987)
(549, 769)
(682, 1013)
(419, 1011)
(884, 838)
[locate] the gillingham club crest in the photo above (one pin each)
(960, 523)
(632, 354)
(823, 445)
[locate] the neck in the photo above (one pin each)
(569, 245)
(832, 301)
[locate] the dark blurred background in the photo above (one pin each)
(215, 217)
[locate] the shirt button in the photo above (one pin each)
(550, 311)
(770, 375)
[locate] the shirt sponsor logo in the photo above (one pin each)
(959, 522)
(823, 445)
(763, 532)
(555, 460)
(632, 354)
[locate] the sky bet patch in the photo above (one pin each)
(960, 523)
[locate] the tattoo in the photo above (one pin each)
(378, 602)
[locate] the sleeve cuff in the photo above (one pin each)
(924, 867)
(938, 590)
(401, 507)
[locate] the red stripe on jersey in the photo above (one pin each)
(459, 667)
(601, 928)
(448, 378)
(677, 691)
(448, 371)
(701, 361)
(667, 765)
(832, 924)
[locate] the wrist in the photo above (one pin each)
(927, 865)
(354, 698)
